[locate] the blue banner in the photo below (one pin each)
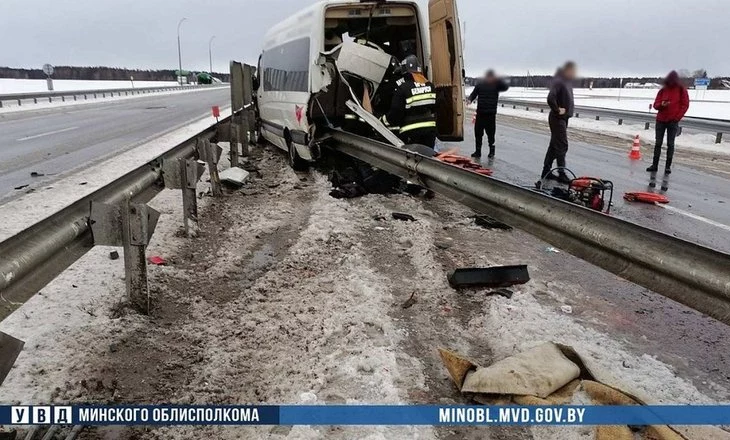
(344, 415)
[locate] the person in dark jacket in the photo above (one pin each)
(672, 102)
(412, 113)
(560, 100)
(486, 93)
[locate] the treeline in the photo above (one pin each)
(544, 81)
(96, 73)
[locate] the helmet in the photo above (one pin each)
(411, 64)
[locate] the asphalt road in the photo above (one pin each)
(54, 142)
(699, 209)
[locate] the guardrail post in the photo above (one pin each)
(577, 115)
(184, 174)
(1, 104)
(719, 138)
(234, 155)
(50, 99)
(527, 109)
(647, 126)
(679, 131)
(63, 98)
(74, 97)
(35, 101)
(542, 110)
(19, 103)
(598, 117)
(94, 95)
(620, 121)
(129, 225)
(210, 153)
(137, 228)
(85, 97)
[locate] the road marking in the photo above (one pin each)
(695, 216)
(48, 133)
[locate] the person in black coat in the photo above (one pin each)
(560, 100)
(486, 93)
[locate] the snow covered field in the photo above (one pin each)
(9, 85)
(703, 104)
(697, 141)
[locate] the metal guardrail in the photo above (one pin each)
(693, 275)
(81, 95)
(716, 126)
(32, 258)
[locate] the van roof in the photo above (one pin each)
(300, 24)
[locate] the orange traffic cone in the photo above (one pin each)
(636, 149)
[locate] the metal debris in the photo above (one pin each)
(494, 277)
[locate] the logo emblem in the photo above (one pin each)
(298, 112)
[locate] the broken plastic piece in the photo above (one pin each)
(645, 197)
(36, 174)
(113, 255)
(494, 277)
(157, 260)
(234, 176)
(403, 217)
(488, 222)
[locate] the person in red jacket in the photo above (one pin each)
(672, 102)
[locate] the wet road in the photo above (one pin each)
(700, 202)
(54, 142)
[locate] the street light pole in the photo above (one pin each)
(179, 51)
(210, 54)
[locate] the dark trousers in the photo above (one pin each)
(558, 147)
(425, 137)
(485, 122)
(670, 128)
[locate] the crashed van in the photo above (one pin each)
(334, 66)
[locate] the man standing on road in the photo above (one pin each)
(487, 95)
(672, 102)
(560, 100)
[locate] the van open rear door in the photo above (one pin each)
(447, 64)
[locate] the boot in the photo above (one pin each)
(491, 152)
(477, 154)
(564, 179)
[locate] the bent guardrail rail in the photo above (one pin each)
(716, 126)
(693, 275)
(82, 95)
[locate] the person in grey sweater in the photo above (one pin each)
(560, 100)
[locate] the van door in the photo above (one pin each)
(447, 68)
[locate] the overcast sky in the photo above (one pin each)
(605, 37)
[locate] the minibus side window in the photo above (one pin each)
(286, 67)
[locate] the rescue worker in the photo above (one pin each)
(412, 113)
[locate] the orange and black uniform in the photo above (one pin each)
(412, 113)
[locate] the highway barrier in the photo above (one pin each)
(83, 95)
(708, 125)
(693, 275)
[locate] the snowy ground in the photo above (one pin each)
(705, 104)
(9, 85)
(628, 131)
(291, 296)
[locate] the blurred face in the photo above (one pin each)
(570, 73)
(490, 77)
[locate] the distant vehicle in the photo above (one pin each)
(301, 90)
(205, 78)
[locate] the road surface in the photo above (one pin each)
(55, 142)
(699, 192)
